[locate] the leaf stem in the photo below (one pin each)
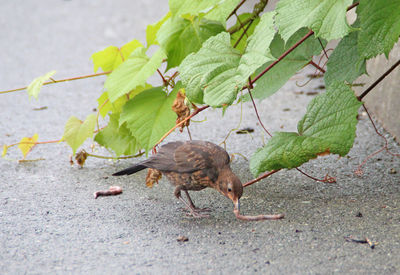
(267, 174)
(317, 66)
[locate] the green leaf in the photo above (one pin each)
(77, 131)
(210, 75)
(149, 115)
(105, 105)
(151, 30)
(217, 72)
(117, 138)
(37, 83)
(345, 63)
(257, 51)
(235, 36)
(133, 72)
(380, 27)
(275, 78)
(217, 10)
(326, 18)
(221, 10)
(111, 57)
(180, 37)
(328, 126)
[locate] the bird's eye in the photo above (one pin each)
(229, 189)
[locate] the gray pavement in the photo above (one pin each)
(50, 223)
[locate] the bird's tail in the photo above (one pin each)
(130, 170)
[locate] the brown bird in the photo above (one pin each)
(195, 165)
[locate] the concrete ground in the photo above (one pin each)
(50, 223)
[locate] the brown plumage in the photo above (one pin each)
(195, 165)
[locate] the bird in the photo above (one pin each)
(195, 165)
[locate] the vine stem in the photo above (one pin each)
(267, 174)
(53, 81)
(123, 157)
(235, 9)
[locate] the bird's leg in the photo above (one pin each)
(193, 206)
(190, 206)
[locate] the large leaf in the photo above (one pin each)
(112, 56)
(276, 77)
(210, 75)
(327, 18)
(180, 37)
(77, 131)
(149, 116)
(328, 126)
(133, 72)
(345, 63)
(117, 138)
(380, 27)
(37, 83)
(217, 72)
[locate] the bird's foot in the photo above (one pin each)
(196, 214)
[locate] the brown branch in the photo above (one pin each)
(255, 109)
(244, 33)
(235, 9)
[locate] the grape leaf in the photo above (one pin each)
(235, 36)
(328, 126)
(26, 144)
(133, 72)
(149, 115)
(180, 37)
(380, 27)
(37, 83)
(151, 30)
(345, 63)
(257, 51)
(105, 105)
(111, 57)
(117, 137)
(221, 10)
(77, 131)
(210, 75)
(326, 18)
(276, 77)
(217, 72)
(213, 9)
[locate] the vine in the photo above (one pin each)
(209, 65)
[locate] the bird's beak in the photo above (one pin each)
(237, 205)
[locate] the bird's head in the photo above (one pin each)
(230, 186)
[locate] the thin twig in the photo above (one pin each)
(323, 48)
(317, 66)
(235, 9)
(327, 178)
(258, 116)
(244, 33)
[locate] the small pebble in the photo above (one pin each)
(182, 239)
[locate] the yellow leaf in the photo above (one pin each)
(27, 143)
(5, 148)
